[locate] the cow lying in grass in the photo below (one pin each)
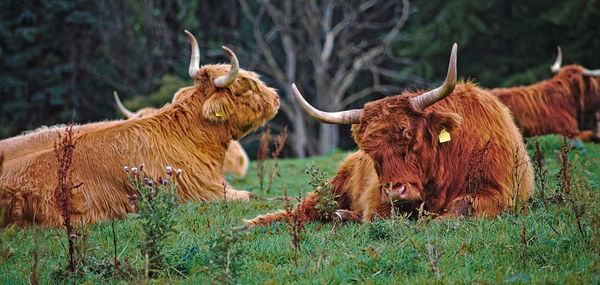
(417, 148)
(236, 160)
(567, 104)
(192, 133)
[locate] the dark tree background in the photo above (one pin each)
(62, 59)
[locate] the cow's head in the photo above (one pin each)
(400, 135)
(231, 95)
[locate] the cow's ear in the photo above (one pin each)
(442, 125)
(217, 108)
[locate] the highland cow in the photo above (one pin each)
(415, 148)
(192, 133)
(236, 160)
(567, 104)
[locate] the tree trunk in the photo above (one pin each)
(328, 137)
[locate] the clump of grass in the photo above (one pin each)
(225, 255)
(523, 243)
(540, 172)
(262, 155)
(380, 229)
(34, 275)
(434, 256)
(156, 204)
(326, 199)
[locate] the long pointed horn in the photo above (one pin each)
(430, 97)
(558, 62)
(195, 58)
(343, 117)
(128, 114)
(228, 79)
(595, 72)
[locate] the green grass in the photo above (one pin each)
(470, 250)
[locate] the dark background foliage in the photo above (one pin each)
(62, 59)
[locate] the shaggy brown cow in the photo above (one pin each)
(417, 148)
(568, 104)
(224, 104)
(236, 160)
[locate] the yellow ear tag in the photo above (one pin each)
(218, 114)
(444, 136)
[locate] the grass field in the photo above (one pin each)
(541, 244)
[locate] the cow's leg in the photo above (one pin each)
(239, 195)
(306, 210)
(485, 203)
(342, 215)
(585, 136)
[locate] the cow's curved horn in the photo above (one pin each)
(343, 117)
(195, 58)
(595, 72)
(558, 62)
(228, 79)
(128, 114)
(430, 97)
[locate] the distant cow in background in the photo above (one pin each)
(416, 148)
(192, 133)
(567, 104)
(236, 160)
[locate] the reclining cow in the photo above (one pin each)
(236, 160)
(567, 104)
(415, 148)
(192, 133)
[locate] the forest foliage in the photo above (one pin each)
(61, 60)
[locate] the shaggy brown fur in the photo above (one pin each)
(567, 104)
(399, 147)
(236, 160)
(202, 117)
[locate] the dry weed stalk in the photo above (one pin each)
(64, 148)
(295, 221)
(263, 153)
(565, 177)
(540, 172)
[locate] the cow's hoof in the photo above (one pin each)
(241, 228)
(340, 216)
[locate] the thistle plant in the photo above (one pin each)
(156, 203)
(326, 200)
